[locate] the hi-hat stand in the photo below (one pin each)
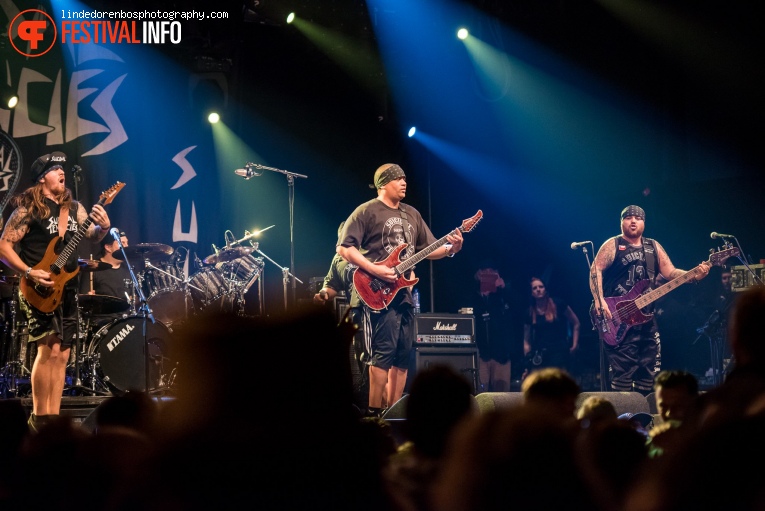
(13, 370)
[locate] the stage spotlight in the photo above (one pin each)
(8, 97)
(213, 117)
(412, 131)
(291, 17)
(462, 33)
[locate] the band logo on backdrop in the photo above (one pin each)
(11, 164)
(33, 33)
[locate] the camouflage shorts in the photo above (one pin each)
(62, 322)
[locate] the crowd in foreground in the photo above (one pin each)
(232, 438)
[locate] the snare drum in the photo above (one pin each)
(118, 348)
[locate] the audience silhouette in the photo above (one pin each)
(246, 427)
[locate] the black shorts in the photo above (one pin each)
(62, 322)
(392, 332)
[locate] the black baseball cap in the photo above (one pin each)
(46, 163)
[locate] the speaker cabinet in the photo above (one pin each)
(624, 402)
(492, 401)
(463, 359)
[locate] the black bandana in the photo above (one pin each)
(387, 173)
(633, 211)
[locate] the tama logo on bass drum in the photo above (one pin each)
(119, 336)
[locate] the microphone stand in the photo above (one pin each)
(742, 257)
(285, 272)
(145, 312)
(603, 324)
(291, 187)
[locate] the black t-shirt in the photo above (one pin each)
(111, 282)
(550, 335)
(41, 231)
(376, 230)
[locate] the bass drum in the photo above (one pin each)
(118, 348)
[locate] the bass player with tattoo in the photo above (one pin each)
(626, 265)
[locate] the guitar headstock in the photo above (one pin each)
(107, 196)
(719, 257)
(469, 223)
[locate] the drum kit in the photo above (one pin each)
(109, 358)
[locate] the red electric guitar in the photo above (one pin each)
(377, 293)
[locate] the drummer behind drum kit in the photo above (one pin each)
(99, 368)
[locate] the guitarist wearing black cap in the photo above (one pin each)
(43, 213)
(624, 266)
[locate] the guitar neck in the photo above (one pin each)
(70, 247)
(660, 291)
(410, 262)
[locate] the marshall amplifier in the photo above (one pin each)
(444, 329)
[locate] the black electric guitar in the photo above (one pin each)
(46, 299)
(377, 293)
(626, 310)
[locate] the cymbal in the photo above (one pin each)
(102, 304)
(92, 265)
(156, 251)
(228, 254)
(10, 279)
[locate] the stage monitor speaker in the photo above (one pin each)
(624, 402)
(492, 401)
(463, 359)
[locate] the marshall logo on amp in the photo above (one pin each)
(435, 328)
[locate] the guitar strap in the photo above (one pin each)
(405, 225)
(63, 220)
(650, 259)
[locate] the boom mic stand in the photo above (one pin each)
(145, 309)
(603, 323)
(743, 259)
(291, 185)
(285, 272)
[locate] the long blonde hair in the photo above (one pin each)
(33, 199)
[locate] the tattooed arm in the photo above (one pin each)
(603, 259)
(14, 231)
(668, 270)
(100, 226)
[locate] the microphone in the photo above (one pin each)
(116, 235)
(578, 244)
(246, 172)
(716, 235)
(76, 169)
